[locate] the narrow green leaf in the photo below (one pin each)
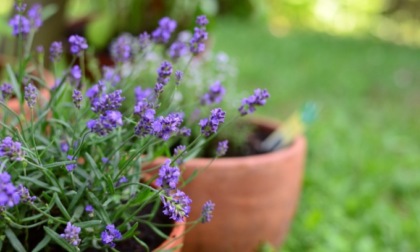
(131, 232)
(44, 242)
(13, 80)
(94, 166)
(90, 223)
(40, 183)
(77, 213)
(14, 240)
(100, 211)
(60, 241)
(61, 207)
(56, 164)
(76, 198)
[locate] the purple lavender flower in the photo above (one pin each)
(141, 94)
(20, 25)
(110, 234)
(163, 33)
(70, 167)
(163, 127)
(71, 234)
(24, 195)
(259, 98)
(11, 150)
(122, 180)
(121, 49)
(6, 91)
(95, 91)
(147, 114)
(75, 76)
(35, 16)
(20, 8)
(30, 94)
(168, 176)
(89, 209)
(64, 146)
(197, 44)
(214, 95)
(177, 50)
(105, 123)
(56, 49)
(77, 44)
(211, 124)
(40, 49)
(164, 72)
(184, 131)
(178, 77)
(202, 20)
(222, 148)
(179, 153)
(9, 195)
(176, 205)
(106, 102)
(105, 160)
(110, 75)
(77, 98)
(207, 212)
(144, 40)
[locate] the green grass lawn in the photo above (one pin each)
(361, 189)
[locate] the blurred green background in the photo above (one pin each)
(360, 62)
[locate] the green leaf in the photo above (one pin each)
(100, 211)
(131, 232)
(40, 183)
(61, 206)
(90, 223)
(94, 166)
(13, 80)
(56, 164)
(44, 242)
(76, 198)
(60, 241)
(14, 240)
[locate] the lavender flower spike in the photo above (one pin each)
(71, 234)
(9, 195)
(168, 176)
(105, 123)
(207, 211)
(202, 20)
(163, 33)
(77, 44)
(214, 95)
(176, 205)
(210, 125)
(35, 16)
(20, 25)
(11, 149)
(222, 148)
(77, 98)
(259, 98)
(110, 234)
(30, 94)
(6, 91)
(24, 195)
(56, 49)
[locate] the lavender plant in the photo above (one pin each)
(73, 171)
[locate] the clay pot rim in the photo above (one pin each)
(221, 163)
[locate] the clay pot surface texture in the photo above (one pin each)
(255, 197)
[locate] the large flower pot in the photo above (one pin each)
(255, 196)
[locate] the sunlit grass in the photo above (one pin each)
(362, 181)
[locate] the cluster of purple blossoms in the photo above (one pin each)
(259, 98)
(163, 127)
(71, 234)
(145, 110)
(184, 131)
(89, 209)
(164, 72)
(9, 195)
(25, 197)
(176, 205)
(163, 33)
(6, 91)
(222, 148)
(178, 77)
(75, 76)
(200, 36)
(144, 40)
(121, 181)
(35, 16)
(179, 153)
(77, 98)
(56, 49)
(95, 91)
(105, 123)
(70, 167)
(11, 149)
(110, 75)
(64, 146)
(141, 94)
(107, 102)
(214, 95)
(30, 94)
(177, 50)
(121, 49)
(211, 124)
(77, 44)
(110, 234)
(168, 176)
(207, 212)
(20, 25)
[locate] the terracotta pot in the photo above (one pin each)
(255, 196)
(43, 93)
